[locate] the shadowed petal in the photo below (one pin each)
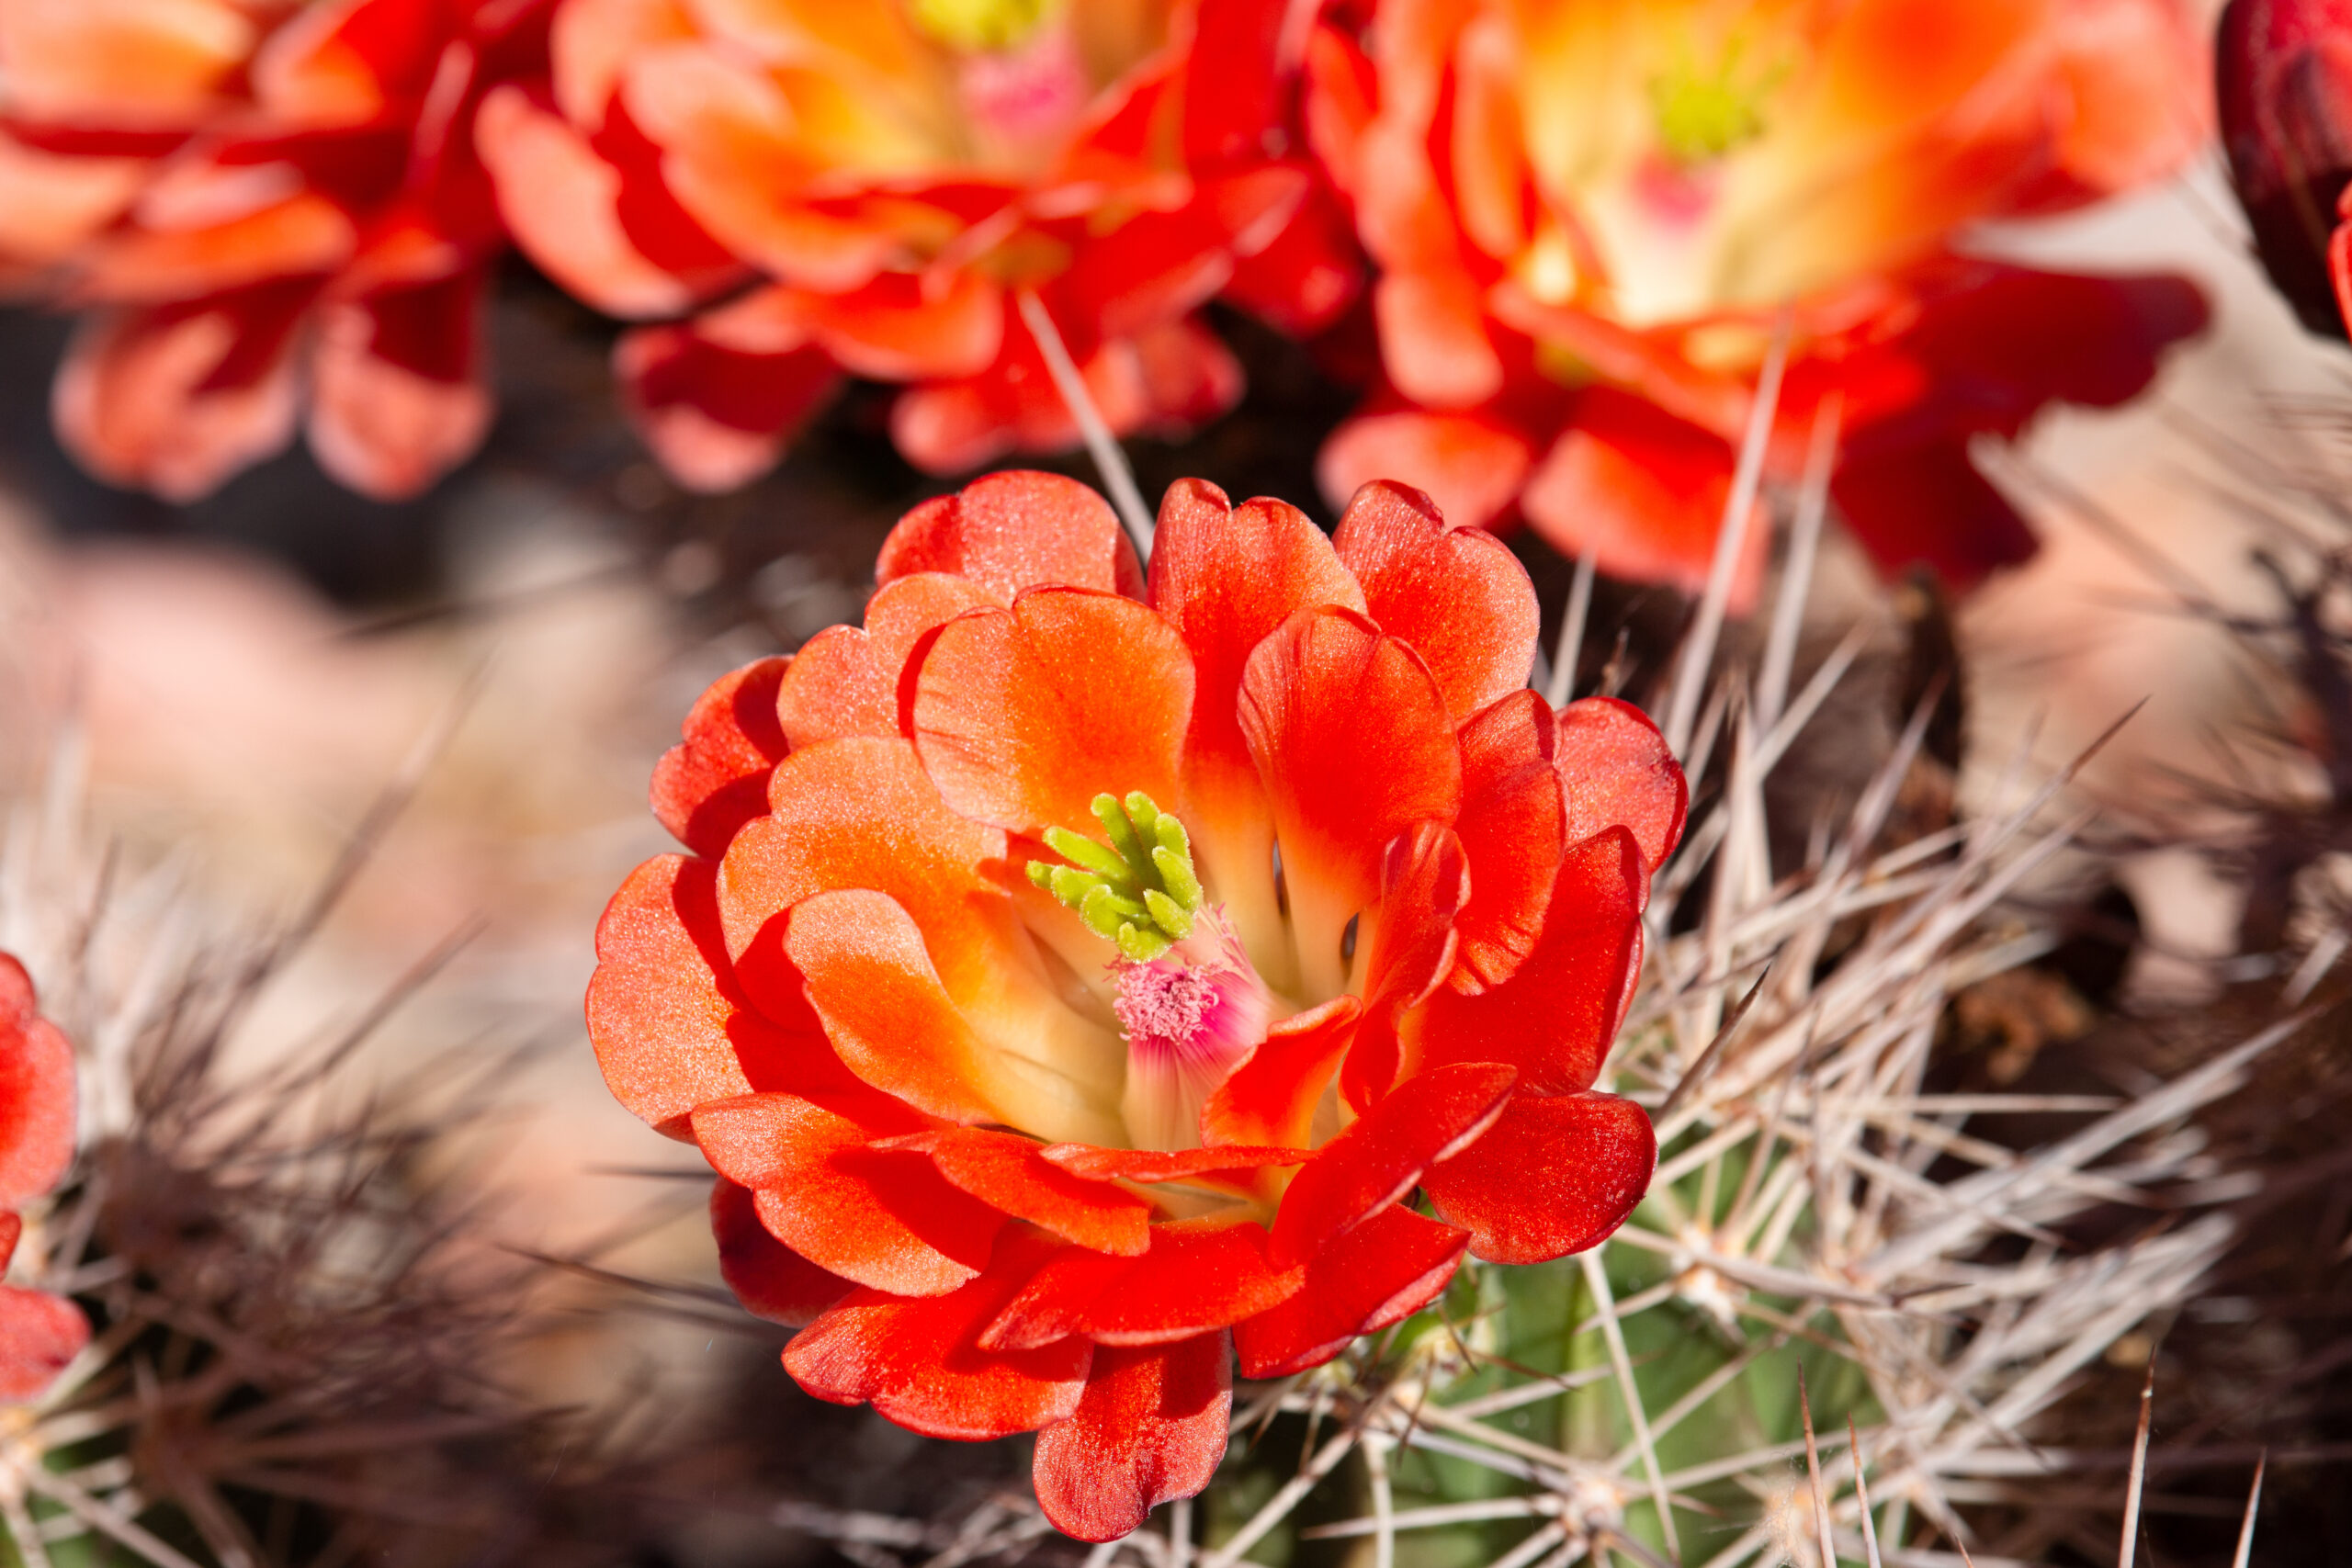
(716, 779)
(771, 1280)
(1151, 1427)
(1513, 825)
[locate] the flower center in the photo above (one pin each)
(1187, 998)
(1705, 111)
(974, 26)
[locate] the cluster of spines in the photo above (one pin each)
(1139, 891)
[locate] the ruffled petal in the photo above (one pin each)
(716, 778)
(1353, 744)
(1224, 577)
(1012, 1173)
(771, 1280)
(1555, 1018)
(846, 680)
(671, 1028)
(1616, 770)
(1024, 716)
(1429, 1118)
(1153, 1426)
(1199, 1275)
(1513, 824)
(1012, 531)
(1453, 590)
(918, 1363)
(1555, 1175)
(1386, 1270)
(1271, 1097)
(39, 1335)
(882, 1217)
(36, 1092)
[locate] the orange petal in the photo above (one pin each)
(862, 959)
(1199, 1275)
(1012, 531)
(1514, 824)
(1616, 770)
(1148, 1165)
(897, 329)
(882, 1217)
(561, 202)
(1555, 1018)
(1383, 1271)
(136, 403)
(1151, 1427)
(1024, 716)
(1224, 577)
(1430, 1117)
(1271, 1097)
(771, 1280)
(671, 1028)
(1353, 744)
(1470, 465)
(1424, 882)
(1433, 339)
(845, 679)
(918, 1363)
(1012, 1173)
(1456, 594)
(716, 778)
(36, 1092)
(1556, 1175)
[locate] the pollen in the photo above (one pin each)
(981, 25)
(1158, 1004)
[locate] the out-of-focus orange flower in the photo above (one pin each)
(39, 1333)
(886, 176)
(1589, 217)
(2283, 78)
(1074, 973)
(272, 216)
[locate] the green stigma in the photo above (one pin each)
(1704, 114)
(976, 25)
(1138, 891)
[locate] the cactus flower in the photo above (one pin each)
(1074, 974)
(39, 1333)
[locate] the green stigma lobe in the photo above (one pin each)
(1139, 891)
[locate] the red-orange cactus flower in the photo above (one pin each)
(1074, 973)
(39, 1333)
(273, 217)
(888, 176)
(1588, 217)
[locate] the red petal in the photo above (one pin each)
(1012, 531)
(1456, 592)
(884, 1218)
(918, 1363)
(1153, 1426)
(670, 1027)
(12, 1231)
(1271, 1098)
(1424, 879)
(1383, 1271)
(1472, 466)
(845, 679)
(1199, 1275)
(1224, 577)
(1513, 825)
(1354, 745)
(1555, 1018)
(1927, 505)
(1382, 1156)
(1013, 1175)
(40, 1335)
(770, 1279)
(716, 780)
(717, 416)
(1615, 768)
(1024, 716)
(377, 424)
(1556, 1175)
(36, 1092)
